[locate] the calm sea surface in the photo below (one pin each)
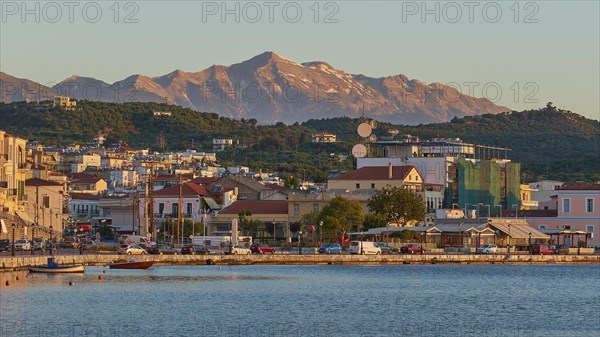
(232, 301)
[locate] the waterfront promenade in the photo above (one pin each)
(9, 263)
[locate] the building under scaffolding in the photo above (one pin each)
(473, 175)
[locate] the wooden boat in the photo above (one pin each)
(131, 264)
(54, 268)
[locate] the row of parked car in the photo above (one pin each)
(239, 249)
(368, 247)
(535, 249)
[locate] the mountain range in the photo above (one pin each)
(271, 88)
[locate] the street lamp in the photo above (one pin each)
(478, 213)
(508, 241)
(500, 210)
(274, 232)
(516, 207)
(460, 234)
(320, 232)
(32, 238)
(529, 242)
(466, 216)
(12, 250)
(489, 207)
(422, 241)
(387, 233)
(51, 243)
(299, 242)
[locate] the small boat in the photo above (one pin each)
(131, 264)
(54, 268)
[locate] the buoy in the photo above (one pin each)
(99, 277)
(71, 283)
(7, 282)
(104, 272)
(17, 277)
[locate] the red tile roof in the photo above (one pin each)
(376, 173)
(40, 182)
(257, 207)
(204, 180)
(187, 190)
(84, 196)
(84, 178)
(580, 185)
(276, 187)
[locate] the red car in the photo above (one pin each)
(261, 248)
(411, 249)
(539, 249)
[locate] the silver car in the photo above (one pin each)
(131, 249)
(487, 249)
(240, 250)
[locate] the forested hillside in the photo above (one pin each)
(550, 143)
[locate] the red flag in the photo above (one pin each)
(346, 239)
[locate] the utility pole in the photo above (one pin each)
(180, 210)
(133, 213)
(151, 203)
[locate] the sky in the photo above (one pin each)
(517, 54)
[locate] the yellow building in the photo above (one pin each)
(301, 203)
(378, 177)
(13, 172)
(268, 212)
(526, 202)
(64, 102)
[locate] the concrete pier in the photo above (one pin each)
(22, 262)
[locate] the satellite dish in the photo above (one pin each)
(364, 130)
(372, 138)
(359, 151)
(373, 124)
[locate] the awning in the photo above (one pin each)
(519, 231)
(25, 218)
(3, 227)
(211, 203)
(84, 227)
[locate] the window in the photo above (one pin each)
(566, 205)
(46, 201)
(175, 210)
(590, 229)
(188, 210)
(315, 207)
(589, 205)
(542, 226)
(161, 208)
(296, 209)
(372, 185)
(357, 185)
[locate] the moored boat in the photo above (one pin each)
(54, 268)
(131, 264)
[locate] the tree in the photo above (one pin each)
(246, 224)
(397, 205)
(340, 214)
(373, 221)
(291, 182)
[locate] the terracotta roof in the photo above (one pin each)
(276, 187)
(376, 173)
(580, 185)
(257, 207)
(84, 196)
(173, 177)
(204, 180)
(188, 189)
(40, 182)
(84, 178)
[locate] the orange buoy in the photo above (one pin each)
(71, 283)
(17, 277)
(99, 277)
(7, 282)
(104, 271)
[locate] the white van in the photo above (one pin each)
(137, 239)
(364, 247)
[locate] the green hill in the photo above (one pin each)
(550, 143)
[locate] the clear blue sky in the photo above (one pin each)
(551, 52)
